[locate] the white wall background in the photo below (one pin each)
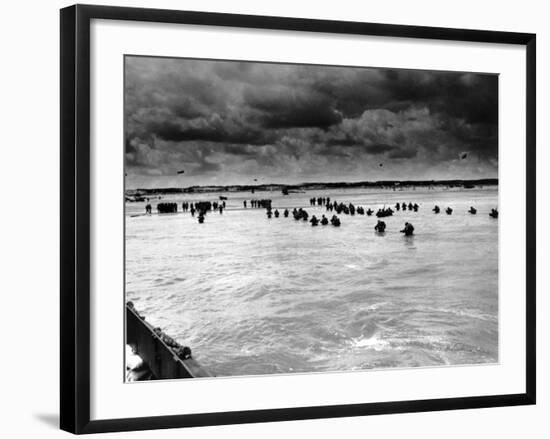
(29, 186)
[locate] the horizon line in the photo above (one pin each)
(365, 182)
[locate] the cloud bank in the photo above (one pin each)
(226, 122)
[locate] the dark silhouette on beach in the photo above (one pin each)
(408, 229)
(380, 226)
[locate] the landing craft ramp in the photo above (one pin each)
(165, 358)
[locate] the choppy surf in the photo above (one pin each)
(258, 296)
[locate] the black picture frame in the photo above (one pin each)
(75, 217)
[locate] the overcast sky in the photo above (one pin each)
(226, 122)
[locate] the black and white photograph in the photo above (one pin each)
(292, 218)
(275, 219)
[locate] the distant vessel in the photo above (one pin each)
(135, 198)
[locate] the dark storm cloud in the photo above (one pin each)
(288, 108)
(212, 128)
(230, 120)
(402, 154)
(206, 167)
(379, 148)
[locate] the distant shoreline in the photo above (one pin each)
(316, 186)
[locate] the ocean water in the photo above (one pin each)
(252, 295)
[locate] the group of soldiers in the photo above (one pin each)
(403, 206)
(202, 207)
(302, 215)
(351, 209)
(383, 212)
(206, 206)
(472, 210)
(335, 221)
(448, 210)
(388, 211)
(380, 228)
(163, 208)
(320, 201)
(258, 204)
(348, 209)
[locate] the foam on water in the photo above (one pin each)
(253, 295)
